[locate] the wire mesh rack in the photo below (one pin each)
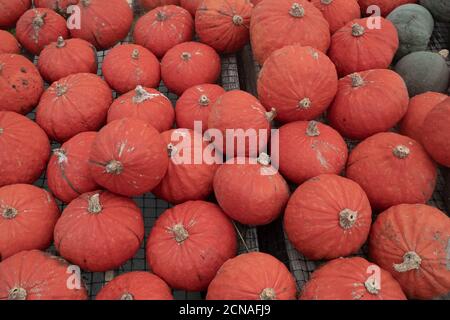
(151, 206)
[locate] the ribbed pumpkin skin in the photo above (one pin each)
(25, 149)
(163, 28)
(191, 5)
(338, 12)
(42, 276)
(65, 57)
(368, 102)
(28, 215)
(74, 104)
(129, 65)
(386, 6)
(224, 24)
(99, 240)
(146, 104)
(373, 49)
(195, 104)
(128, 157)
(435, 133)
(189, 243)
(439, 8)
(308, 149)
(253, 276)
(389, 179)
(8, 43)
(328, 217)
(39, 27)
(68, 174)
(103, 22)
(185, 181)
(21, 86)
(250, 193)
(137, 285)
(416, 228)
(59, 6)
(273, 26)
(346, 278)
(189, 64)
(152, 4)
(309, 73)
(418, 109)
(11, 11)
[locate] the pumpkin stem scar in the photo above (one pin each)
(203, 101)
(127, 296)
(186, 56)
(347, 218)
(161, 16)
(357, 80)
(312, 130)
(372, 286)
(268, 294)
(171, 150)
(38, 20)
(238, 20)
(9, 213)
(357, 30)
(297, 10)
(401, 152)
(17, 293)
(60, 42)
(411, 261)
(1, 130)
(114, 167)
(326, 1)
(180, 233)
(264, 159)
(60, 89)
(271, 115)
(305, 103)
(142, 95)
(94, 205)
(85, 3)
(135, 54)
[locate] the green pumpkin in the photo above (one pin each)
(440, 9)
(415, 26)
(424, 71)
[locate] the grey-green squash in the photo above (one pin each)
(424, 71)
(414, 25)
(440, 9)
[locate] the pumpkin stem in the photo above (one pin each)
(327, 2)
(9, 213)
(171, 150)
(264, 159)
(357, 30)
(85, 3)
(312, 130)
(180, 233)
(347, 218)
(161, 16)
(38, 20)
(61, 155)
(17, 293)
(297, 10)
(186, 56)
(127, 296)
(401, 152)
(305, 103)
(411, 261)
(372, 286)
(1, 130)
(60, 89)
(142, 95)
(271, 115)
(94, 205)
(204, 100)
(357, 80)
(135, 54)
(444, 53)
(268, 294)
(60, 42)
(238, 20)
(114, 167)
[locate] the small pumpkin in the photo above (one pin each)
(187, 178)
(189, 64)
(152, 4)
(8, 43)
(128, 157)
(25, 149)
(22, 85)
(195, 104)
(224, 25)
(191, 5)
(368, 102)
(41, 277)
(146, 104)
(39, 27)
(439, 8)
(328, 217)
(253, 276)
(189, 243)
(357, 47)
(418, 109)
(385, 6)
(338, 12)
(136, 285)
(11, 11)
(411, 242)
(392, 169)
(351, 279)
(103, 22)
(163, 28)
(309, 73)
(68, 173)
(28, 215)
(99, 231)
(251, 191)
(308, 149)
(74, 104)
(60, 6)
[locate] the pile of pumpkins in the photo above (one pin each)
(320, 59)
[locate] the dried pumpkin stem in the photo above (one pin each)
(94, 205)
(17, 293)
(171, 150)
(38, 20)
(135, 54)
(114, 167)
(411, 261)
(180, 233)
(203, 100)
(60, 43)
(305, 103)
(60, 154)
(312, 130)
(401, 151)
(297, 10)
(264, 159)
(1, 130)
(238, 20)
(85, 3)
(268, 294)
(357, 30)
(357, 80)
(9, 213)
(326, 1)
(60, 89)
(186, 56)
(372, 286)
(271, 115)
(142, 95)
(161, 16)
(127, 296)
(347, 218)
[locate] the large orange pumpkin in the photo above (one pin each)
(338, 12)
(308, 149)
(411, 242)
(328, 217)
(191, 5)
(128, 157)
(386, 6)
(24, 147)
(99, 231)
(8, 43)
(368, 102)
(253, 276)
(136, 285)
(68, 173)
(21, 85)
(359, 46)
(74, 104)
(35, 275)
(351, 279)
(224, 24)
(11, 11)
(152, 4)
(310, 76)
(163, 28)
(392, 169)
(28, 215)
(146, 104)
(278, 23)
(189, 243)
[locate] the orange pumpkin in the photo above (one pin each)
(386, 6)
(11, 11)
(191, 5)
(152, 4)
(338, 12)
(8, 43)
